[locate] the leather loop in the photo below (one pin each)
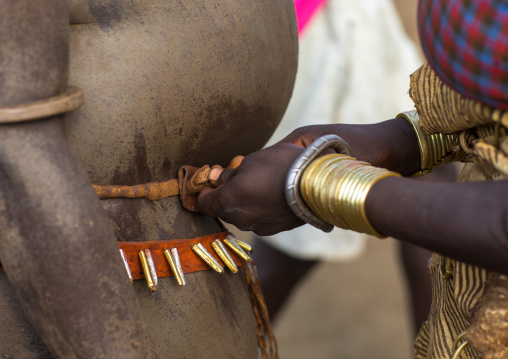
(70, 100)
(190, 181)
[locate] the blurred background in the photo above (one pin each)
(351, 310)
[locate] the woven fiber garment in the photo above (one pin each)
(443, 110)
(467, 300)
(466, 42)
(469, 307)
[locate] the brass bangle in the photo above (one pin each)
(435, 150)
(335, 188)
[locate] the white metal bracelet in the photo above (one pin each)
(293, 196)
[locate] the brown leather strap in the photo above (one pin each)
(189, 260)
(152, 191)
(190, 181)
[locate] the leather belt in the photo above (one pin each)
(192, 262)
(189, 260)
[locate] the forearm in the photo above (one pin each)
(390, 144)
(465, 221)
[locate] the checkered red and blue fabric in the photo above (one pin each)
(466, 43)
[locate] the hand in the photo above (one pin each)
(252, 195)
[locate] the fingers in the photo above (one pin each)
(218, 175)
(214, 175)
(208, 202)
(235, 162)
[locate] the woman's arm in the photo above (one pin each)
(252, 195)
(465, 221)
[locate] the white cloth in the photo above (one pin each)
(354, 65)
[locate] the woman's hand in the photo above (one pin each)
(251, 196)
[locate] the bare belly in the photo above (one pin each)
(169, 83)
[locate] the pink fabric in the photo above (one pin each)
(305, 9)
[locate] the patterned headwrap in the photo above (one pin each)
(466, 43)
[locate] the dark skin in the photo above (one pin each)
(465, 221)
(156, 95)
(49, 237)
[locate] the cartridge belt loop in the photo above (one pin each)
(70, 100)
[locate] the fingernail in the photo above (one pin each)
(215, 174)
(235, 162)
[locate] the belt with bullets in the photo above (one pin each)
(156, 259)
(176, 257)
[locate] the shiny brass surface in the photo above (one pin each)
(436, 149)
(148, 269)
(245, 246)
(174, 263)
(231, 243)
(207, 257)
(457, 341)
(335, 187)
(459, 350)
(223, 253)
(126, 264)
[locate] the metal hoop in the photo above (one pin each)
(456, 348)
(293, 197)
(459, 350)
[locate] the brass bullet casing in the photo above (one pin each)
(126, 264)
(246, 247)
(145, 257)
(207, 257)
(231, 243)
(223, 253)
(174, 263)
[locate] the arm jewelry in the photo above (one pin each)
(333, 187)
(331, 190)
(435, 150)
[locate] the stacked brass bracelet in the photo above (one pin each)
(435, 150)
(335, 188)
